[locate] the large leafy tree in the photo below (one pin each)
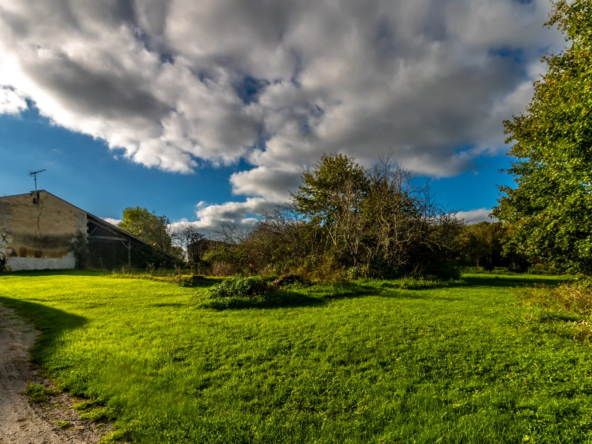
(149, 227)
(330, 196)
(549, 212)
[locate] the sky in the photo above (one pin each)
(208, 111)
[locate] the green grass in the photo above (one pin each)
(374, 362)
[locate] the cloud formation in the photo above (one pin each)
(174, 83)
(475, 216)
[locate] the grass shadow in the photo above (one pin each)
(175, 305)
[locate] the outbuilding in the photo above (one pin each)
(39, 231)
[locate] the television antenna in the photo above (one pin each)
(34, 175)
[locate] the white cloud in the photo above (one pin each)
(176, 83)
(211, 217)
(112, 221)
(271, 183)
(11, 102)
(475, 216)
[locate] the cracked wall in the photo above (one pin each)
(36, 233)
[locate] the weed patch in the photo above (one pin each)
(38, 393)
(95, 414)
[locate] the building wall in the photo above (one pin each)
(38, 235)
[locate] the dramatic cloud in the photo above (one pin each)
(272, 183)
(176, 83)
(476, 216)
(210, 217)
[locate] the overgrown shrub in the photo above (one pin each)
(239, 287)
(347, 222)
(564, 310)
(574, 297)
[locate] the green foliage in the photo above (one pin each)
(147, 226)
(573, 297)
(564, 310)
(84, 406)
(482, 245)
(334, 186)
(81, 251)
(372, 361)
(178, 252)
(239, 287)
(63, 424)
(549, 210)
(96, 414)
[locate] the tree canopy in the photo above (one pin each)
(149, 227)
(549, 210)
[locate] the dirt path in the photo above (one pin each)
(23, 422)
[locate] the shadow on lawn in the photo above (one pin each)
(49, 321)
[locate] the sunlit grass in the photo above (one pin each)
(376, 361)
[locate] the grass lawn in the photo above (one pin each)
(370, 364)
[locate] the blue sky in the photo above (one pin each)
(85, 172)
(209, 111)
(82, 170)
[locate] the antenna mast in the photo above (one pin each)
(34, 174)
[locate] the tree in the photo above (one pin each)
(378, 219)
(549, 212)
(152, 229)
(331, 196)
(194, 243)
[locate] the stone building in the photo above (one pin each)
(37, 232)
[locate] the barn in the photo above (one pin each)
(38, 232)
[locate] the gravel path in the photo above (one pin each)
(22, 422)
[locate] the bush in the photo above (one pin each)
(239, 287)
(574, 297)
